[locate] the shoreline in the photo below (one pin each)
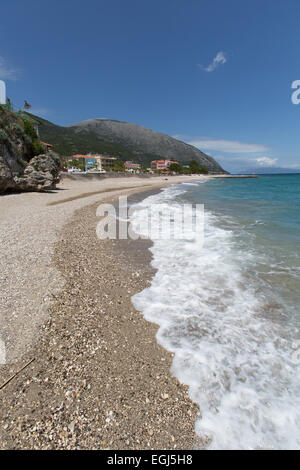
(53, 403)
(30, 225)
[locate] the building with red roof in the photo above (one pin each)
(162, 165)
(48, 146)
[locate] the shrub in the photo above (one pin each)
(118, 166)
(37, 147)
(29, 129)
(3, 136)
(195, 168)
(176, 168)
(17, 129)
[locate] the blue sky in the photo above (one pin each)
(214, 73)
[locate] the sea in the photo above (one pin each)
(228, 307)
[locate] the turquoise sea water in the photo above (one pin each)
(264, 214)
(229, 309)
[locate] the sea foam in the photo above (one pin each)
(237, 362)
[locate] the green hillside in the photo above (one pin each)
(67, 142)
(127, 141)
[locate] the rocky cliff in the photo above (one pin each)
(24, 165)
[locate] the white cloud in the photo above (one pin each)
(266, 161)
(232, 154)
(227, 146)
(182, 137)
(6, 72)
(218, 60)
(241, 164)
(295, 166)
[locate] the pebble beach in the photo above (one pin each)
(98, 379)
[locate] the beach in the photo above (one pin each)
(98, 377)
(151, 343)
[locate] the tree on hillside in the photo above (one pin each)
(176, 168)
(186, 170)
(196, 168)
(118, 166)
(80, 164)
(144, 168)
(203, 170)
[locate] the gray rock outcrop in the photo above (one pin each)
(41, 173)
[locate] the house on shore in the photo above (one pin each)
(94, 161)
(162, 165)
(132, 167)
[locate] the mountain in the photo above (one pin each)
(125, 140)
